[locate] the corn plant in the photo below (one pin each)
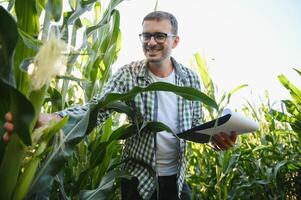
(20, 45)
(78, 161)
(263, 165)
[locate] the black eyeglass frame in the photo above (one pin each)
(155, 35)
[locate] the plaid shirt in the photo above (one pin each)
(140, 150)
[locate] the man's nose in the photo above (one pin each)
(152, 41)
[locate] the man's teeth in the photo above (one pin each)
(153, 50)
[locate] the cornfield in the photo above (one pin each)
(79, 160)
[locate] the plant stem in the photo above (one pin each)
(10, 166)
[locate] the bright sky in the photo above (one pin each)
(244, 42)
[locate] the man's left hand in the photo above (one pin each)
(223, 141)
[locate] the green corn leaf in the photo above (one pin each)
(28, 22)
(8, 41)
(292, 108)
(86, 2)
(155, 127)
(21, 108)
(37, 98)
(106, 17)
(104, 187)
(121, 107)
(25, 64)
(82, 179)
(48, 131)
(296, 126)
(235, 90)
(10, 166)
(298, 71)
(282, 117)
(111, 157)
(115, 31)
(60, 180)
(78, 12)
(82, 82)
(278, 167)
(185, 92)
(74, 133)
(55, 8)
(128, 130)
(123, 132)
(98, 154)
(42, 135)
(29, 41)
(13, 154)
(294, 91)
(205, 76)
(106, 130)
(28, 174)
(55, 98)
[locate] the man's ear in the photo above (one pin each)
(176, 42)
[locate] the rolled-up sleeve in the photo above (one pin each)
(115, 84)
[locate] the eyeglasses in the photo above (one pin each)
(158, 36)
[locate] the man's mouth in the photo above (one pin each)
(152, 49)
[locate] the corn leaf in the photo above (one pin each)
(237, 89)
(292, 108)
(205, 76)
(22, 110)
(294, 91)
(8, 41)
(29, 41)
(27, 176)
(74, 15)
(10, 166)
(106, 18)
(55, 7)
(63, 148)
(28, 22)
(104, 187)
(185, 92)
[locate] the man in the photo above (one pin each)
(163, 153)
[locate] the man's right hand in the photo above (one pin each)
(9, 126)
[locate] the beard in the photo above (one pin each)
(154, 53)
(148, 48)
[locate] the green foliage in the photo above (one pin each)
(83, 162)
(11, 155)
(209, 88)
(8, 40)
(264, 165)
(23, 172)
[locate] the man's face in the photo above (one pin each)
(155, 51)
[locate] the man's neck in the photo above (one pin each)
(162, 69)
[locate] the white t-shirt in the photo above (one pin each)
(167, 144)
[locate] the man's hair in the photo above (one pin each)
(161, 15)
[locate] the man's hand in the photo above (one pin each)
(223, 141)
(9, 126)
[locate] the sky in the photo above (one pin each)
(244, 41)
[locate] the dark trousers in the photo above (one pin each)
(167, 189)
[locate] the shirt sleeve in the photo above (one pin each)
(197, 107)
(115, 84)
